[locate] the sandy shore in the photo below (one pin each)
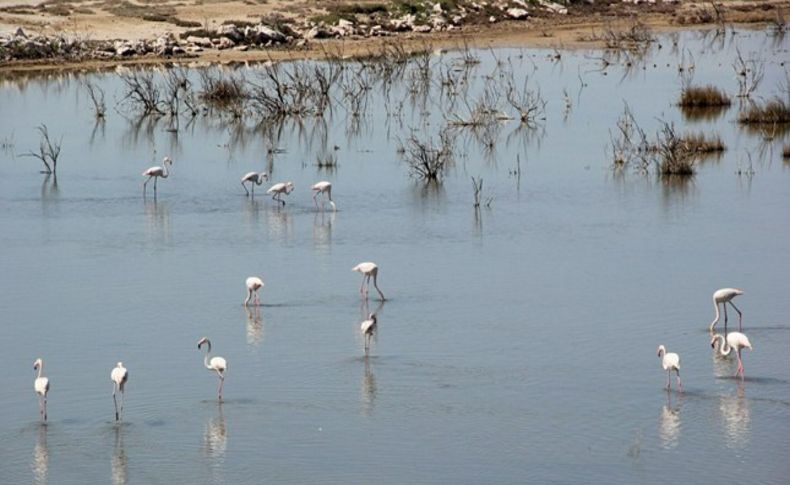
(105, 20)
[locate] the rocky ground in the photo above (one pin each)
(63, 33)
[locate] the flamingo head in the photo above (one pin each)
(202, 341)
(713, 340)
(289, 187)
(372, 316)
(119, 364)
(264, 176)
(661, 350)
(167, 160)
(37, 364)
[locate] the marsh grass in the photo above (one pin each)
(775, 112)
(701, 143)
(703, 97)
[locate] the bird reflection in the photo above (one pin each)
(736, 417)
(669, 424)
(253, 211)
(369, 389)
(40, 463)
(322, 229)
(120, 475)
(279, 221)
(254, 325)
(157, 217)
(364, 309)
(215, 438)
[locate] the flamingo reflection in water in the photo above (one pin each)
(669, 424)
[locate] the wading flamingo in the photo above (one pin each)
(254, 178)
(323, 187)
(368, 328)
(724, 296)
(156, 172)
(734, 340)
(217, 364)
(41, 385)
(670, 361)
(254, 284)
(368, 269)
(279, 189)
(119, 376)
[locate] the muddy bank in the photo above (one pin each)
(67, 35)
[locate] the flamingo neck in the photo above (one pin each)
(724, 346)
(715, 320)
(207, 358)
(165, 173)
(40, 370)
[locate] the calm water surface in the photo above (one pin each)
(516, 345)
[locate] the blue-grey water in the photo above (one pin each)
(518, 342)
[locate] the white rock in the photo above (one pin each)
(225, 43)
(553, 7)
(517, 13)
(200, 41)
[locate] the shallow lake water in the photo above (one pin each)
(517, 343)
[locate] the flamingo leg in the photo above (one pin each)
(221, 382)
(257, 297)
(362, 287)
(245, 188)
(314, 199)
(740, 317)
(45, 408)
(669, 371)
(252, 186)
(375, 284)
(155, 180)
(123, 400)
(740, 365)
(249, 295)
(680, 384)
(115, 401)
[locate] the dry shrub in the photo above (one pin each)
(221, 90)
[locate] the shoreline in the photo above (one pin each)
(572, 31)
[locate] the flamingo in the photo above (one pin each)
(254, 178)
(323, 187)
(118, 376)
(734, 340)
(368, 328)
(279, 189)
(217, 364)
(368, 269)
(253, 285)
(41, 386)
(156, 172)
(724, 296)
(670, 361)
